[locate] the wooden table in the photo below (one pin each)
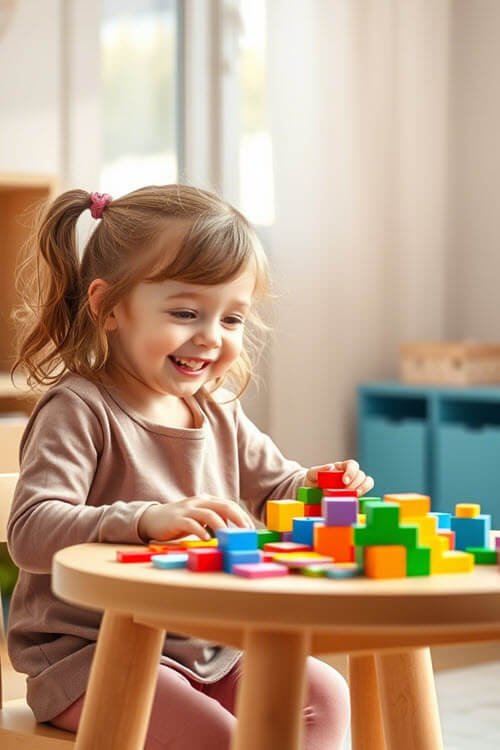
(385, 627)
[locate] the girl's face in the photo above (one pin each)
(173, 337)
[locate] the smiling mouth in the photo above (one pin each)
(188, 365)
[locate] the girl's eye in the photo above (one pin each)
(183, 314)
(233, 320)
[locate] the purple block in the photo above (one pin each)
(287, 536)
(497, 543)
(339, 511)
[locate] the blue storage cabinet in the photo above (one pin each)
(444, 442)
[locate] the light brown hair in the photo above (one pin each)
(56, 330)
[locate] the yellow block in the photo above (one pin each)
(280, 514)
(202, 543)
(452, 561)
(362, 520)
(411, 504)
(467, 510)
(385, 561)
(427, 527)
(277, 556)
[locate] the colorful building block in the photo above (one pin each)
(344, 570)
(126, 556)
(198, 543)
(236, 539)
(418, 561)
(406, 534)
(467, 510)
(170, 561)
(287, 547)
(303, 529)
(339, 511)
(340, 493)
(331, 480)
(443, 519)
(312, 511)
(471, 532)
(280, 514)
(264, 536)
(427, 527)
(310, 495)
(483, 555)
(363, 500)
(385, 561)
(314, 571)
(362, 519)
(301, 559)
(335, 541)
(260, 570)
(452, 562)
(412, 504)
(240, 556)
(382, 515)
(449, 535)
(286, 536)
(203, 560)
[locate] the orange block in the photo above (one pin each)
(335, 541)
(467, 510)
(411, 504)
(385, 561)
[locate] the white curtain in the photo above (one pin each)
(359, 103)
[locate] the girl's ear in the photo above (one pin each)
(97, 289)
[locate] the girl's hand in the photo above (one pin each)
(354, 478)
(191, 516)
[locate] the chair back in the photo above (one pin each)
(7, 486)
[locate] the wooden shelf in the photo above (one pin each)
(19, 194)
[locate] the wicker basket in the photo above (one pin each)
(449, 363)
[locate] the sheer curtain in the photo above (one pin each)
(359, 103)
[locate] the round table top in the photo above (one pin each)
(89, 575)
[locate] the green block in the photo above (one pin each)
(381, 515)
(314, 571)
(418, 561)
(264, 536)
(359, 556)
(363, 500)
(406, 534)
(310, 495)
(483, 555)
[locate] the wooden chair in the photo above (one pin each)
(18, 728)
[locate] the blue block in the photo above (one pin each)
(170, 561)
(236, 539)
(303, 529)
(235, 557)
(471, 532)
(443, 520)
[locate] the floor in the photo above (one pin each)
(467, 684)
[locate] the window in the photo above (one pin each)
(140, 93)
(256, 186)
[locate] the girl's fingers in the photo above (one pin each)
(207, 517)
(190, 526)
(230, 511)
(350, 469)
(358, 480)
(367, 485)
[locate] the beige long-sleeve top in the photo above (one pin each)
(90, 466)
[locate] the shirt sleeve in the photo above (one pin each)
(265, 474)
(59, 458)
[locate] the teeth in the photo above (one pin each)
(192, 363)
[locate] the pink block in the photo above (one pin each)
(286, 547)
(497, 542)
(260, 570)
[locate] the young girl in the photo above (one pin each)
(135, 439)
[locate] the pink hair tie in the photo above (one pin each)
(98, 202)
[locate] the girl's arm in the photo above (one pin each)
(60, 453)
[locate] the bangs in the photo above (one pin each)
(214, 249)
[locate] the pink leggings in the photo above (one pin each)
(188, 714)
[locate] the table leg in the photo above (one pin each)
(367, 729)
(408, 699)
(271, 695)
(121, 688)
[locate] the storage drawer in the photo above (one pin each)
(394, 452)
(468, 467)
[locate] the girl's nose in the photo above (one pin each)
(208, 336)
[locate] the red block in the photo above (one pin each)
(312, 510)
(267, 557)
(205, 559)
(339, 493)
(286, 547)
(133, 557)
(331, 480)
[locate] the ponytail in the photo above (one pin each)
(49, 285)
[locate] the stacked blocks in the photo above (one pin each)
(327, 531)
